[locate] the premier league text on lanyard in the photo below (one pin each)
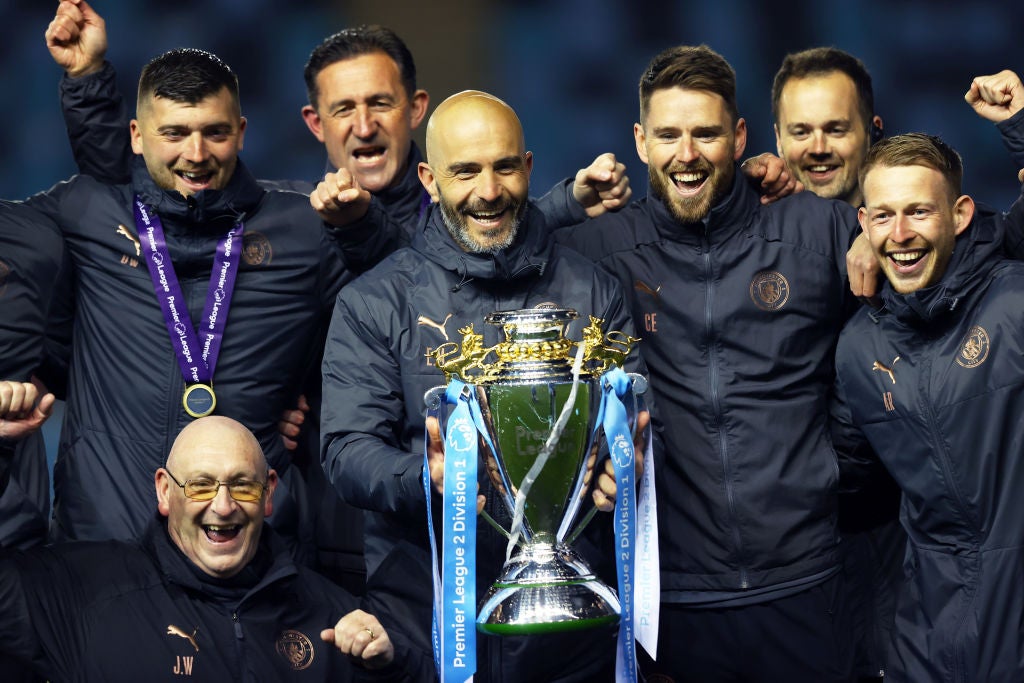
(197, 370)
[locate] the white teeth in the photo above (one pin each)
(216, 527)
(691, 177)
(907, 256)
(819, 169)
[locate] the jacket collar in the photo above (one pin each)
(407, 197)
(730, 215)
(976, 252)
(237, 200)
(527, 257)
(271, 564)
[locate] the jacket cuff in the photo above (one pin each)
(89, 84)
(1012, 130)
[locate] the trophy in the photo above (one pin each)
(539, 397)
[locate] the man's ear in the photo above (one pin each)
(641, 142)
(778, 143)
(963, 213)
(418, 108)
(241, 132)
(268, 502)
(313, 122)
(428, 180)
(163, 491)
(741, 139)
(136, 135)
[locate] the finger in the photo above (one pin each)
(973, 94)
(303, 405)
(316, 201)
(45, 407)
(89, 13)
(17, 405)
(1020, 176)
(289, 444)
(435, 453)
(602, 501)
(481, 500)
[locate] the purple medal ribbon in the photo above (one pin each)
(197, 362)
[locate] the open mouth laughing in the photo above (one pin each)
(689, 182)
(222, 533)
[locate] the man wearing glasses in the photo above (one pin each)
(209, 591)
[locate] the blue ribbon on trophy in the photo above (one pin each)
(454, 627)
(615, 384)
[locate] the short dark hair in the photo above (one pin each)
(822, 61)
(355, 42)
(691, 68)
(917, 149)
(186, 75)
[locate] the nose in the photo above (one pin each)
(223, 504)
(901, 230)
(488, 187)
(819, 145)
(195, 148)
(364, 125)
(686, 151)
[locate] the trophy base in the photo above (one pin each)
(544, 589)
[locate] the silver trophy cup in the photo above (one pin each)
(540, 416)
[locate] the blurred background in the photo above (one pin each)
(569, 68)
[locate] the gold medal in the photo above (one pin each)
(199, 400)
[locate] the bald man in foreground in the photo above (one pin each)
(209, 592)
(484, 247)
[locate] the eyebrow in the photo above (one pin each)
(371, 96)
(511, 160)
(830, 122)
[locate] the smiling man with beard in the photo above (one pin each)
(739, 305)
(208, 591)
(484, 247)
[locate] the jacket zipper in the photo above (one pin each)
(947, 472)
(716, 402)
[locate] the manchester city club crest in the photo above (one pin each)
(256, 249)
(297, 648)
(974, 349)
(769, 290)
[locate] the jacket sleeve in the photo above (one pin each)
(846, 229)
(559, 207)
(365, 243)
(1012, 131)
(858, 464)
(37, 623)
(97, 120)
(31, 260)
(363, 413)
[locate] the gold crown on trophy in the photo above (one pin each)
(538, 344)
